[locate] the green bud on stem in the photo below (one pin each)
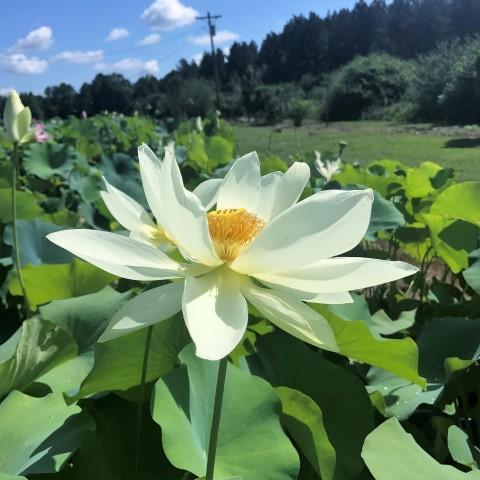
(17, 119)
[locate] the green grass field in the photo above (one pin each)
(456, 147)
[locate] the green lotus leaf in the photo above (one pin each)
(251, 443)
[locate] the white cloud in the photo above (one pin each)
(134, 65)
(39, 39)
(168, 14)
(151, 39)
(4, 91)
(222, 37)
(197, 58)
(20, 63)
(151, 67)
(117, 34)
(77, 56)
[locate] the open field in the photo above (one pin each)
(456, 147)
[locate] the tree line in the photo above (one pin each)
(289, 73)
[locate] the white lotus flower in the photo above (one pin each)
(258, 246)
(328, 168)
(132, 216)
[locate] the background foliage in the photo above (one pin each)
(411, 59)
(139, 406)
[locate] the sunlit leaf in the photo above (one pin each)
(392, 454)
(28, 433)
(303, 420)
(461, 449)
(34, 247)
(27, 206)
(45, 283)
(37, 347)
(251, 443)
(472, 276)
(347, 412)
(459, 201)
(126, 355)
(356, 341)
(85, 317)
(47, 159)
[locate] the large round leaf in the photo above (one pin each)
(47, 159)
(85, 317)
(45, 283)
(341, 396)
(251, 443)
(355, 340)
(110, 451)
(27, 433)
(37, 347)
(27, 206)
(119, 362)
(303, 420)
(392, 454)
(34, 247)
(460, 201)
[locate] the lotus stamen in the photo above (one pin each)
(232, 230)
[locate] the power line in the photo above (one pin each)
(169, 55)
(211, 32)
(141, 47)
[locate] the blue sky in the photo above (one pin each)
(45, 43)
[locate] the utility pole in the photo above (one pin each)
(211, 31)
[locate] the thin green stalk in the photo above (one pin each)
(140, 409)
(300, 152)
(217, 413)
(16, 250)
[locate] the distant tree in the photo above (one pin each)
(341, 46)
(35, 103)
(432, 24)
(206, 67)
(146, 93)
(241, 57)
(465, 17)
(273, 58)
(301, 48)
(194, 97)
(305, 52)
(187, 69)
(113, 93)
(60, 100)
(83, 101)
(250, 84)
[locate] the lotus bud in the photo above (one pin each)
(17, 119)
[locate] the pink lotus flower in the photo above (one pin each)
(41, 135)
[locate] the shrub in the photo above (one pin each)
(299, 111)
(447, 83)
(273, 102)
(193, 97)
(364, 84)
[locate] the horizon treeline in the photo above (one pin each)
(302, 57)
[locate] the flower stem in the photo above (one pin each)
(217, 412)
(140, 409)
(16, 250)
